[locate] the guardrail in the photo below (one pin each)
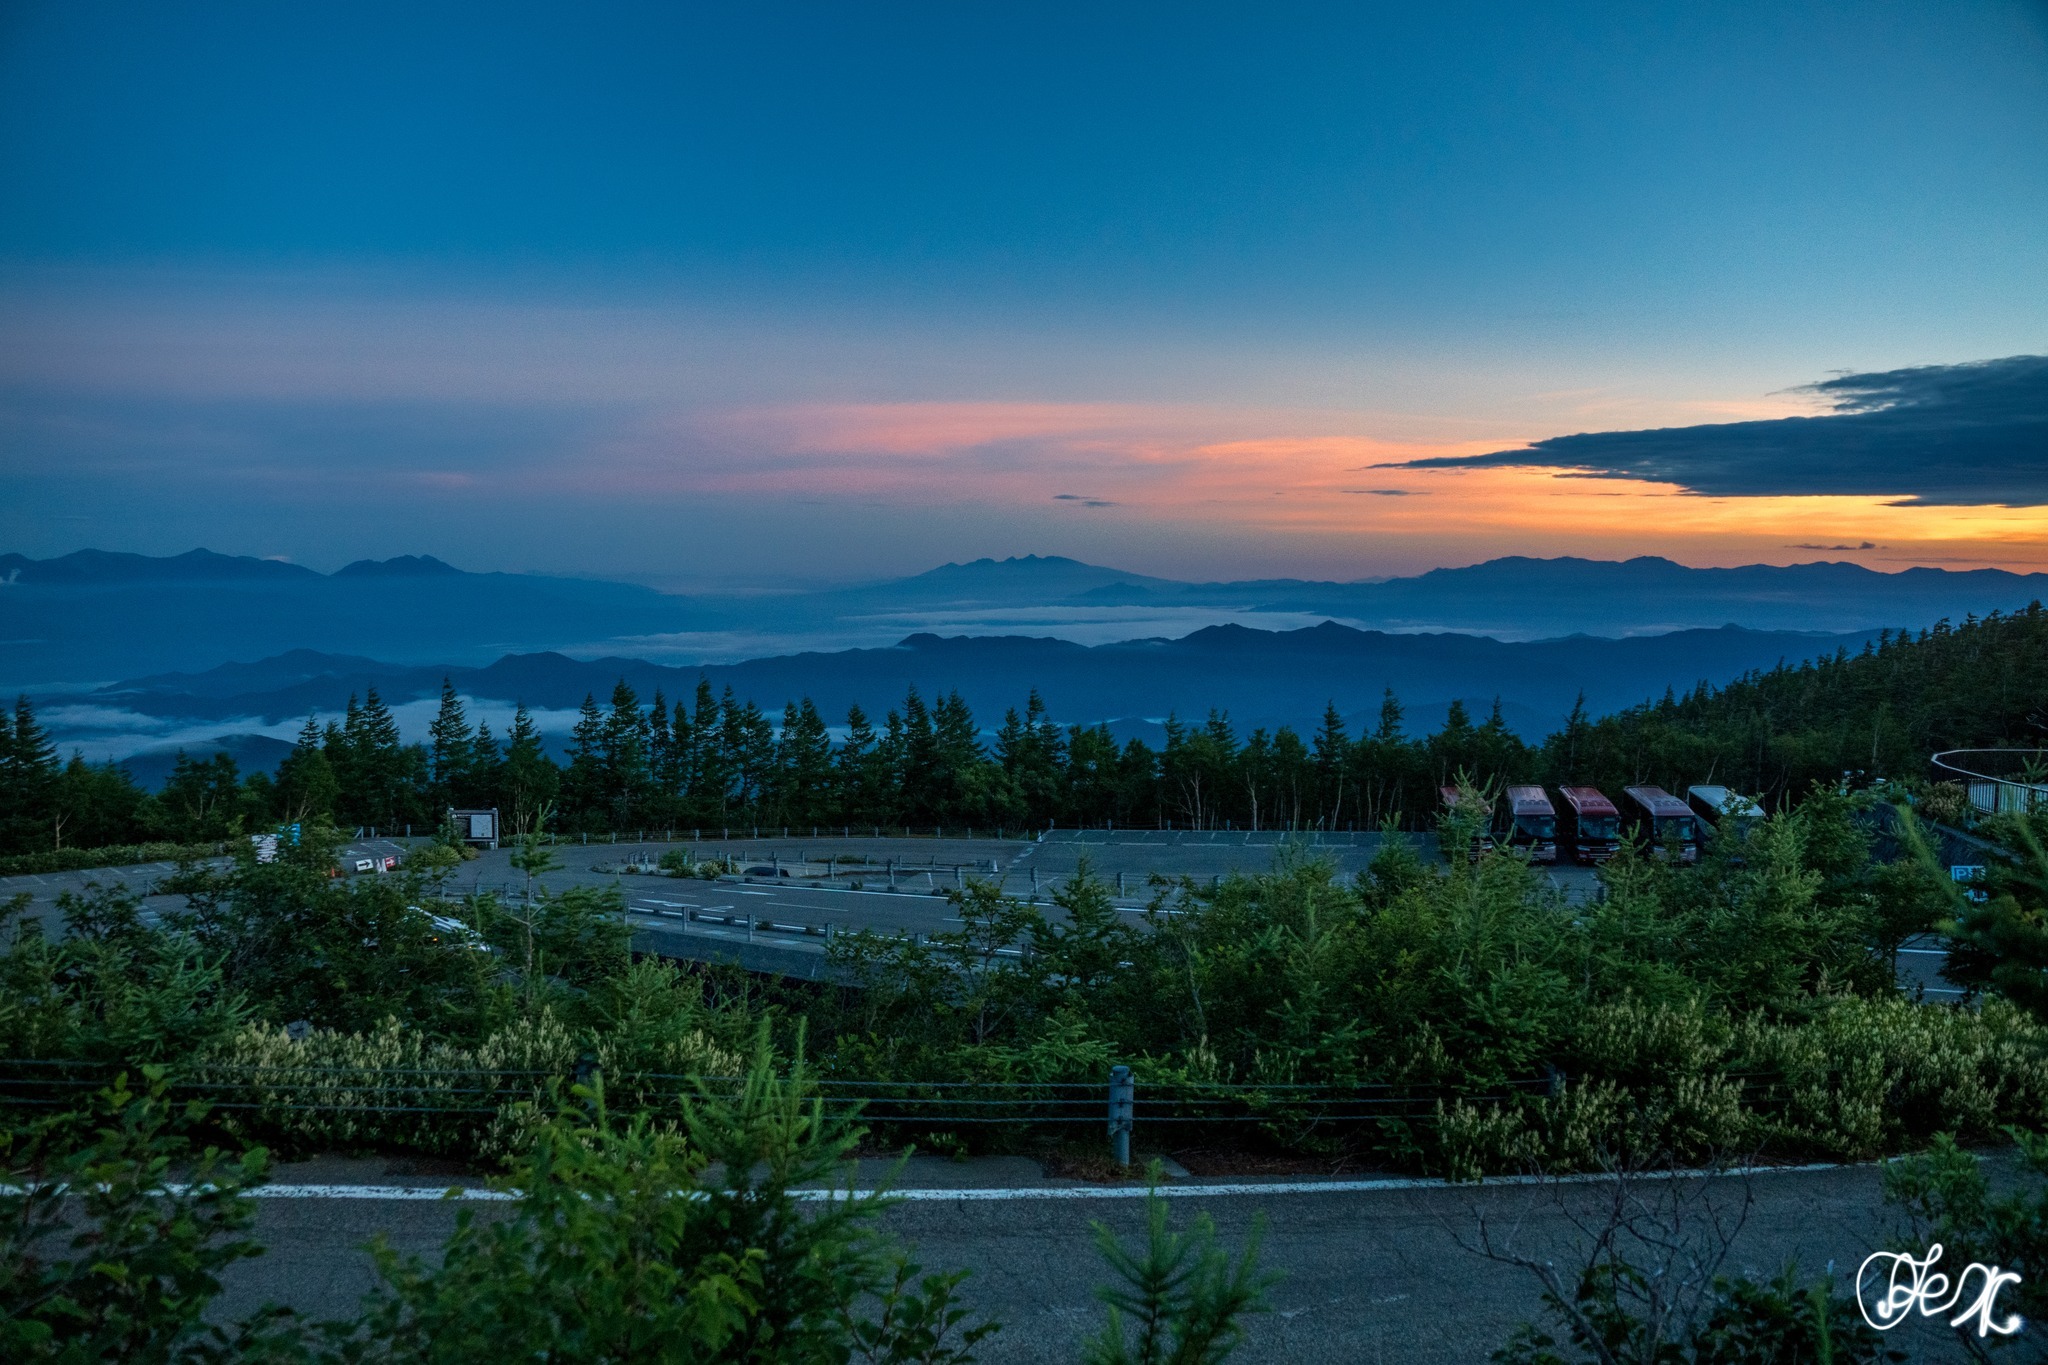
(1999, 781)
(260, 1097)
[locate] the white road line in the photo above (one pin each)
(1241, 1190)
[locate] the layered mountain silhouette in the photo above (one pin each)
(1262, 678)
(97, 615)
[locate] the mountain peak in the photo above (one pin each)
(404, 566)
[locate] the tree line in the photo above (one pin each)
(714, 761)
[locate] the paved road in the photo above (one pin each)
(46, 888)
(1371, 1275)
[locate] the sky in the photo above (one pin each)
(803, 294)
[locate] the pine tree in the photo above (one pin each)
(1332, 752)
(854, 764)
(583, 786)
(530, 780)
(753, 750)
(452, 750)
(960, 769)
(379, 789)
(1569, 750)
(661, 801)
(710, 775)
(306, 788)
(1029, 752)
(486, 766)
(918, 779)
(804, 766)
(628, 779)
(1389, 731)
(28, 779)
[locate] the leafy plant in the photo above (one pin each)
(637, 1241)
(113, 1251)
(1947, 1198)
(1180, 1298)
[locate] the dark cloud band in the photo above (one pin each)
(1951, 435)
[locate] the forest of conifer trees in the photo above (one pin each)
(711, 760)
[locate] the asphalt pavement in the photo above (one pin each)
(1373, 1271)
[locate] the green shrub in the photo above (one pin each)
(113, 855)
(1948, 1201)
(637, 1241)
(100, 1257)
(1179, 1299)
(390, 1088)
(1866, 1077)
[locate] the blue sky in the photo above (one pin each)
(853, 290)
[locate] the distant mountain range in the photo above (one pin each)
(1262, 678)
(96, 615)
(104, 567)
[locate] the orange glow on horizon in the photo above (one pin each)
(1289, 475)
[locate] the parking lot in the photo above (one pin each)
(793, 893)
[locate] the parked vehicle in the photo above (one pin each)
(1663, 822)
(1592, 825)
(1483, 841)
(1728, 811)
(1532, 823)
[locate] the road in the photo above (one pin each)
(1374, 1274)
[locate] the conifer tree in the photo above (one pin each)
(306, 786)
(1332, 752)
(583, 785)
(853, 770)
(530, 780)
(623, 747)
(451, 750)
(28, 778)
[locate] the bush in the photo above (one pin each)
(113, 855)
(1857, 1079)
(389, 1088)
(1948, 1200)
(146, 1256)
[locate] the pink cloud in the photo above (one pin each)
(1145, 456)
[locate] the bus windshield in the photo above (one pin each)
(1541, 827)
(1674, 829)
(1600, 827)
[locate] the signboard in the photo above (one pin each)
(1966, 873)
(475, 826)
(266, 847)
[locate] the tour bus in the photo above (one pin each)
(1592, 824)
(1730, 812)
(1534, 826)
(1662, 821)
(1484, 842)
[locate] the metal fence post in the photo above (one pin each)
(1123, 1110)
